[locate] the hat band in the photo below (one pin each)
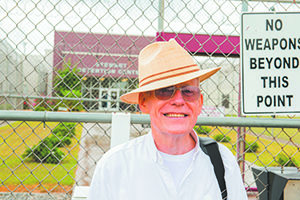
(169, 74)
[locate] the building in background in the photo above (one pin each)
(108, 67)
(107, 64)
(23, 77)
(11, 76)
(37, 71)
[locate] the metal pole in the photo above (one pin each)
(245, 5)
(94, 117)
(120, 128)
(161, 12)
(240, 146)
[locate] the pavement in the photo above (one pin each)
(33, 196)
(94, 142)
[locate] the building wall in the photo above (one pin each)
(22, 76)
(37, 75)
(11, 76)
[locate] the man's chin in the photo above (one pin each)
(178, 131)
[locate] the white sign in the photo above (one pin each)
(270, 68)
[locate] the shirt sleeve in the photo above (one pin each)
(234, 183)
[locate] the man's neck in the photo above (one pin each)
(174, 144)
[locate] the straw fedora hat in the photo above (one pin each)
(163, 64)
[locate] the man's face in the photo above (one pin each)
(172, 116)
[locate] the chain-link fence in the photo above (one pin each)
(82, 56)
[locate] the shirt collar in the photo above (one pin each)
(151, 147)
(154, 153)
(197, 147)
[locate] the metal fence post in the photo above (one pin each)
(161, 16)
(120, 131)
(241, 139)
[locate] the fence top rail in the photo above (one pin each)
(89, 117)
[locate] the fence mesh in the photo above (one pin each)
(82, 56)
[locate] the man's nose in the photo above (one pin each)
(177, 98)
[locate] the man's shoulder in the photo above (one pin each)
(228, 158)
(126, 149)
(223, 148)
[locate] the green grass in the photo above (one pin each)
(279, 133)
(268, 148)
(17, 137)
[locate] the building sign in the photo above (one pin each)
(106, 66)
(100, 55)
(270, 68)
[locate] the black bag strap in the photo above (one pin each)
(210, 147)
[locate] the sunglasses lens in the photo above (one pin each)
(165, 93)
(190, 93)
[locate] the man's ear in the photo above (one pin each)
(143, 102)
(200, 104)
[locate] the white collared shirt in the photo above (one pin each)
(136, 171)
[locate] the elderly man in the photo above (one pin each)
(167, 163)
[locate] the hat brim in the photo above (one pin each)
(133, 96)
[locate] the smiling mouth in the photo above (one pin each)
(175, 115)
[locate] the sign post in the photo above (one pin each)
(270, 63)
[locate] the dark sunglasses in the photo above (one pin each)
(188, 93)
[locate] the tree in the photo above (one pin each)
(67, 83)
